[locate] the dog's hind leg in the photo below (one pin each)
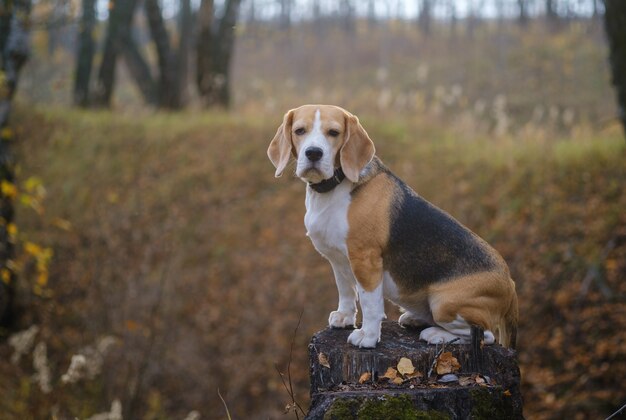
(450, 327)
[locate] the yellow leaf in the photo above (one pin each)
(26, 200)
(507, 393)
(391, 374)
(405, 366)
(398, 381)
(8, 189)
(12, 230)
(32, 183)
(32, 249)
(365, 377)
(42, 278)
(447, 363)
(416, 374)
(6, 275)
(323, 360)
(6, 133)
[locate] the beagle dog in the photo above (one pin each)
(385, 241)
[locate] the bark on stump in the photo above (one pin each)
(337, 394)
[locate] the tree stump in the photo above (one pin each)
(350, 383)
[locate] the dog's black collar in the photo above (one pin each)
(330, 183)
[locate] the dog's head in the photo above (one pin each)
(321, 138)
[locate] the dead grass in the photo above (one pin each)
(184, 246)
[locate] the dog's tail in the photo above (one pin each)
(508, 326)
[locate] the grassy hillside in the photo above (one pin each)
(171, 235)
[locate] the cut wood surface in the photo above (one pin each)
(349, 382)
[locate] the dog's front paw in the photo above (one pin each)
(362, 338)
(340, 319)
(436, 335)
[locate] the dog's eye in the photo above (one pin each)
(333, 133)
(300, 131)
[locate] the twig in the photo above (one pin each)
(225, 406)
(617, 412)
(289, 388)
(443, 347)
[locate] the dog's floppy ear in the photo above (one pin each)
(357, 150)
(281, 147)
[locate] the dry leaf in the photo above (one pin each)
(507, 393)
(447, 363)
(365, 377)
(405, 366)
(323, 360)
(398, 381)
(466, 380)
(416, 374)
(480, 380)
(391, 374)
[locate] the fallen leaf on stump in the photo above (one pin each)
(365, 377)
(447, 363)
(416, 374)
(323, 360)
(466, 380)
(405, 366)
(390, 374)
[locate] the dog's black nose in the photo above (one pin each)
(314, 153)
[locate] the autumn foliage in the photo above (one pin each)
(171, 236)
(160, 260)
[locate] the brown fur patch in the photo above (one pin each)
(368, 217)
(485, 299)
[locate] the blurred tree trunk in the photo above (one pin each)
(252, 19)
(216, 41)
(15, 49)
(139, 69)
(425, 16)
(316, 10)
(118, 31)
(474, 15)
(184, 46)
(453, 18)
(346, 11)
(499, 7)
(165, 58)
(371, 13)
(523, 12)
(284, 19)
(615, 26)
(85, 52)
(53, 32)
(551, 13)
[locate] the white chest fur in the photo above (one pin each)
(326, 220)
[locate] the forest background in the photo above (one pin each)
(150, 258)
